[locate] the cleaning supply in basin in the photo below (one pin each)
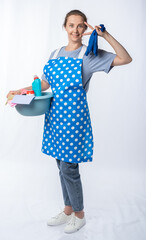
(23, 99)
(30, 92)
(36, 86)
(10, 98)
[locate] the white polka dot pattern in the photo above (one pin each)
(67, 130)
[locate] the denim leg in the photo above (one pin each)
(72, 181)
(64, 190)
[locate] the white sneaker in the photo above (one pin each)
(74, 224)
(60, 218)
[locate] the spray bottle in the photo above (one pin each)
(36, 86)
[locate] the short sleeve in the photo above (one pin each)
(102, 62)
(43, 75)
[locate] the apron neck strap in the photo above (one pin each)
(81, 54)
(56, 53)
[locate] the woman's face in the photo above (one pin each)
(75, 27)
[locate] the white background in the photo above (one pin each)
(114, 183)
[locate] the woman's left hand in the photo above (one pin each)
(99, 32)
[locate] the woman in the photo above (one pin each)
(68, 133)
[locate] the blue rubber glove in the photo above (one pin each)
(93, 42)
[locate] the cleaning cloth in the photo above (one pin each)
(10, 98)
(22, 99)
(93, 42)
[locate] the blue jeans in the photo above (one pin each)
(71, 185)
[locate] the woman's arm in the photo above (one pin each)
(44, 87)
(123, 56)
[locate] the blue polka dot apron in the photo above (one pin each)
(68, 134)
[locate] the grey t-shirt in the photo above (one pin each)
(91, 63)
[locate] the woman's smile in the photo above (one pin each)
(75, 35)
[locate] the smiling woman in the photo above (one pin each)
(68, 135)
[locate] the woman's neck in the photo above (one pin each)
(73, 46)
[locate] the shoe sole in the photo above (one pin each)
(54, 225)
(76, 229)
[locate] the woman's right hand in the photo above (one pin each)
(18, 92)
